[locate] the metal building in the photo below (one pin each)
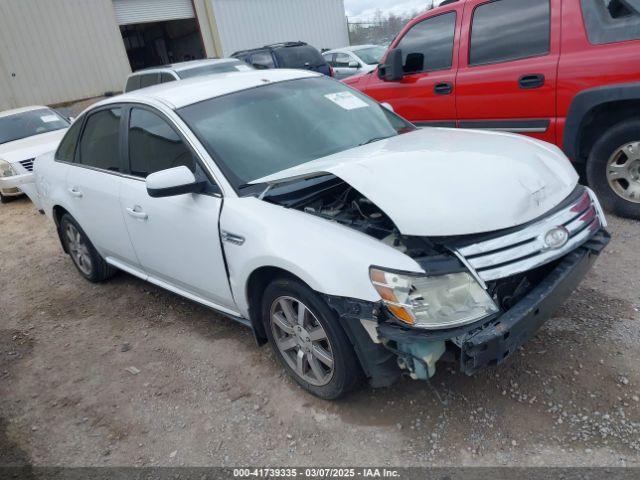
(56, 51)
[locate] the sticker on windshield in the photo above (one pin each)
(49, 118)
(242, 68)
(346, 100)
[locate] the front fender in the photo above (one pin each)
(331, 258)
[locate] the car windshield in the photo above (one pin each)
(221, 67)
(28, 124)
(299, 57)
(370, 55)
(257, 132)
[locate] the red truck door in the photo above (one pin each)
(426, 94)
(509, 55)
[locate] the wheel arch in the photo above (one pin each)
(594, 110)
(254, 290)
(58, 211)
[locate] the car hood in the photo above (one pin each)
(31, 147)
(437, 181)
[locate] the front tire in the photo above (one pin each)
(613, 169)
(84, 255)
(308, 340)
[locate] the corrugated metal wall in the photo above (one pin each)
(141, 11)
(253, 23)
(53, 51)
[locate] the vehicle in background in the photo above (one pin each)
(354, 243)
(349, 61)
(179, 71)
(26, 133)
(563, 71)
(286, 55)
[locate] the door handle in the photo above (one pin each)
(535, 80)
(136, 212)
(443, 88)
(75, 192)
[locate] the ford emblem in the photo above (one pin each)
(556, 238)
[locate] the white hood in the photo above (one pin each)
(437, 181)
(31, 147)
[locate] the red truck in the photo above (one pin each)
(563, 71)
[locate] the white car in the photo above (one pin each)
(182, 70)
(357, 245)
(357, 59)
(26, 133)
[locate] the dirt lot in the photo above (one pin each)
(206, 395)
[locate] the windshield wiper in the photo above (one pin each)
(374, 139)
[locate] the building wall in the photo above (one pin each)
(54, 51)
(243, 24)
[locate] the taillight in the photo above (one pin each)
(331, 71)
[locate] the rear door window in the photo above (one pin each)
(262, 60)
(133, 83)
(610, 21)
(166, 78)
(507, 30)
(99, 147)
(428, 46)
(149, 79)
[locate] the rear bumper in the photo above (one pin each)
(491, 342)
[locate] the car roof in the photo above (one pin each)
(194, 90)
(15, 111)
(270, 47)
(181, 66)
(352, 48)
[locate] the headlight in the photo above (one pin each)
(6, 170)
(441, 301)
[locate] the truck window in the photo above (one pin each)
(610, 21)
(507, 30)
(428, 46)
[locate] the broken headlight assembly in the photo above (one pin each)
(433, 302)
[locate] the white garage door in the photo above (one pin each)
(144, 11)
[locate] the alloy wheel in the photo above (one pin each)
(623, 171)
(302, 341)
(78, 249)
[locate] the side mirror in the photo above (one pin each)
(354, 64)
(391, 70)
(260, 66)
(172, 182)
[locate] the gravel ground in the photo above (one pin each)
(204, 394)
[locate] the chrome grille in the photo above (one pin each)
(526, 249)
(28, 164)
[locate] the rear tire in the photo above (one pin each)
(314, 351)
(85, 257)
(613, 169)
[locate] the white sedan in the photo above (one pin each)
(357, 59)
(358, 246)
(26, 133)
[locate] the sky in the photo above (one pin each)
(365, 9)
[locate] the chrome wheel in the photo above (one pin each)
(301, 340)
(623, 171)
(78, 249)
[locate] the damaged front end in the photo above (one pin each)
(481, 297)
(526, 273)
